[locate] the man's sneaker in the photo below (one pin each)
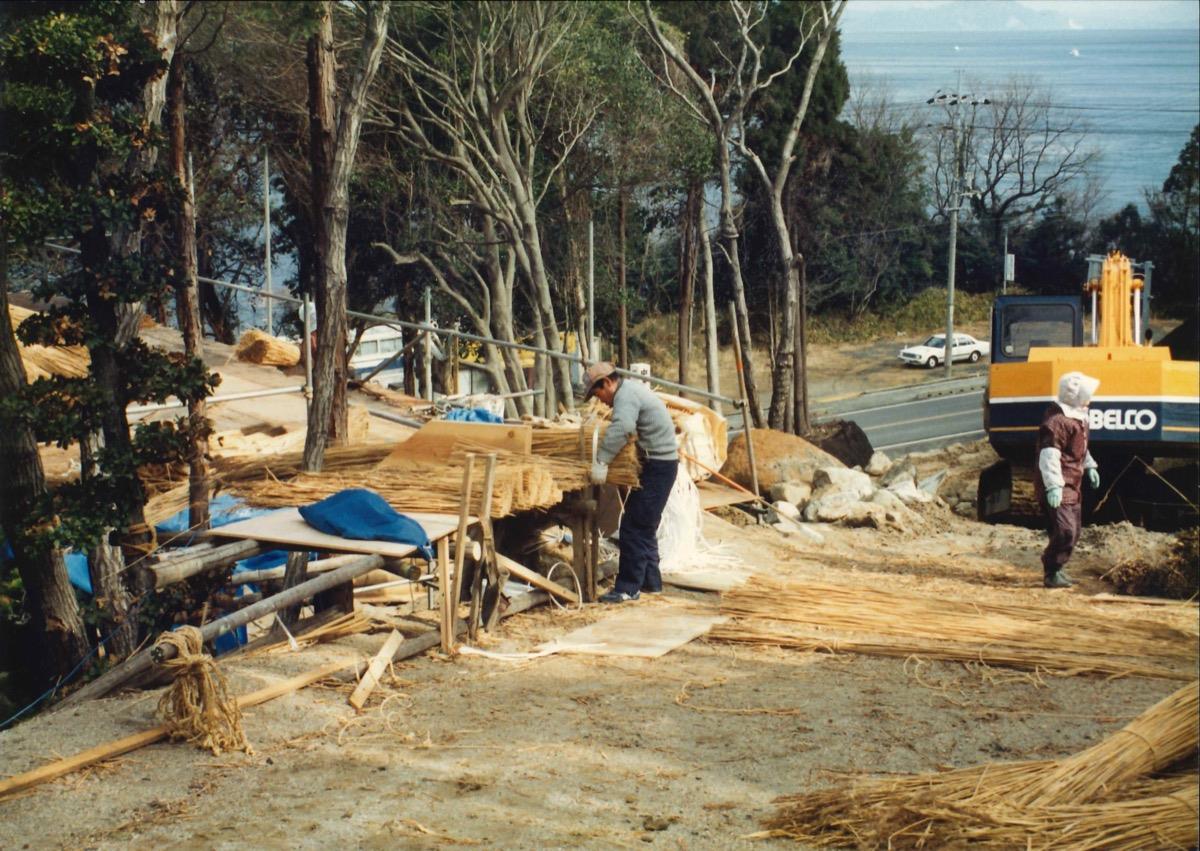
(618, 597)
(1058, 579)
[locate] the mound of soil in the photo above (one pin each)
(781, 457)
(1176, 576)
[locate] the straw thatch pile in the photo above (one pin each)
(1110, 795)
(521, 483)
(1175, 575)
(259, 347)
(45, 361)
(816, 616)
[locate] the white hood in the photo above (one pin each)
(1075, 391)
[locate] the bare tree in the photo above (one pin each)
(721, 116)
(482, 111)
(789, 397)
(1019, 154)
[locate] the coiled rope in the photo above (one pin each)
(198, 708)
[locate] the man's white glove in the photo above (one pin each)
(1054, 497)
(1093, 478)
(599, 473)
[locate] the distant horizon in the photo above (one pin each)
(1019, 32)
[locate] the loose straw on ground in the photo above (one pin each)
(816, 616)
(1103, 797)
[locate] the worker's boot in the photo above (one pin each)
(1057, 579)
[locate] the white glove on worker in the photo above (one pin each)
(1093, 478)
(599, 473)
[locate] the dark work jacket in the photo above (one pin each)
(1070, 437)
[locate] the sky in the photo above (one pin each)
(991, 15)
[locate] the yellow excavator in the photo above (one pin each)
(1146, 410)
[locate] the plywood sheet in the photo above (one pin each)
(287, 527)
(435, 440)
(636, 630)
(714, 495)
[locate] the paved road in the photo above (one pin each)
(899, 426)
(911, 419)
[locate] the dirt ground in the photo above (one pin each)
(685, 751)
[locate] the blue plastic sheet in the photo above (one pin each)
(364, 515)
(472, 415)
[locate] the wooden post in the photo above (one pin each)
(747, 424)
(489, 549)
(445, 594)
(460, 539)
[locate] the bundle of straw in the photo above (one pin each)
(1080, 802)
(45, 361)
(815, 616)
(238, 468)
(575, 443)
(259, 347)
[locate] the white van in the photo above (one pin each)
(378, 343)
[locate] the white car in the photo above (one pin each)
(933, 351)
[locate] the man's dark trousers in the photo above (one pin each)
(639, 528)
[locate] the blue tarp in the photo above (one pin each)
(472, 415)
(364, 515)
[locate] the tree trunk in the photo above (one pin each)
(711, 351)
(623, 314)
(785, 346)
(187, 297)
(575, 209)
(688, 256)
(333, 144)
(800, 375)
(56, 627)
(729, 235)
(106, 566)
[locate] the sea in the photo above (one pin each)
(1138, 91)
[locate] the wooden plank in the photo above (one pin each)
(375, 670)
(643, 631)
(713, 495)
(535, 579)
(286, 526)
(436, 439)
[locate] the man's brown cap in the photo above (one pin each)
(596, 373)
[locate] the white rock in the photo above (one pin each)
(786, 509)
(908, 492)
(797, 493)
(899, 472)
(840, 480)
(930, 484)
(879, 463)
(888, 500)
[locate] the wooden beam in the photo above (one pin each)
(375, 670)
(536, 579)
(155, 576)
(445, 595)
(139, 662)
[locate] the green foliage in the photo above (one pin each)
(920, 314)
(74, 77)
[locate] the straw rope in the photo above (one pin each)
(198, 708)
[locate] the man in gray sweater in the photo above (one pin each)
(636, 410)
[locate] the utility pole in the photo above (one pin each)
(955, 201)
(960, 134)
